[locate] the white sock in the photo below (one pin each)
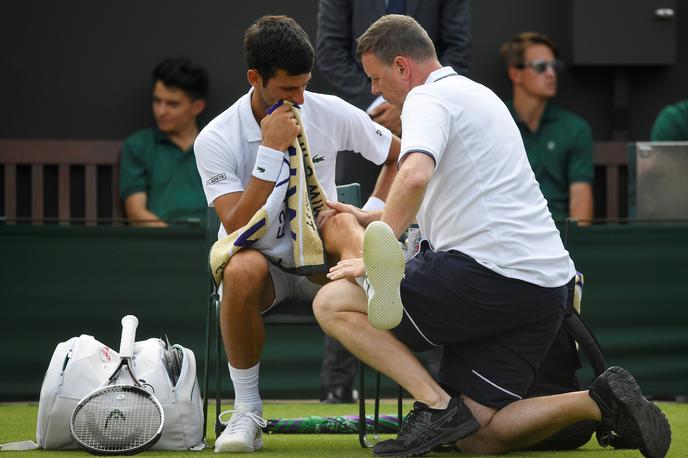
(245, 383)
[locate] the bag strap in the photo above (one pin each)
(588, 343)
(593, 353)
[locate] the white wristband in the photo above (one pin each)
(268, 163)
(373, 204)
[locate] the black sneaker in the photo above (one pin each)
(424, 429)
(629, 415)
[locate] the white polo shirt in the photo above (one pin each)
(226, 148)
(482, 199)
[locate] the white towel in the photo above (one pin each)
(284, 229)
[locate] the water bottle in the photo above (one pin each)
(412, 242)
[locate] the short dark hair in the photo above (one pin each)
(396, 35)
(180, 73)
(513, 51)
(275, 42)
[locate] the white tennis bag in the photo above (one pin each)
(82, 364)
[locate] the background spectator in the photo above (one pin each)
(159, 180)
(558, 142)
(671, 123)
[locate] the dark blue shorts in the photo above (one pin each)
(494, 330)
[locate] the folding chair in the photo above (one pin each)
(289, 312)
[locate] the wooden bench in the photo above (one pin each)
(97, 158)
(612, 158)
(100, 162)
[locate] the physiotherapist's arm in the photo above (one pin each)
(407, 191)
(388, 171)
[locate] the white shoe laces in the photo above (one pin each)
(240, 421)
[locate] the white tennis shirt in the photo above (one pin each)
(483, 199)
(226, 148)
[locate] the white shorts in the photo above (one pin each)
(288, 285)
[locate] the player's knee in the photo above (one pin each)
(341, 224)
(324, 306)
(341, 232)
(247, 269)
(320, 304)
(345, 220)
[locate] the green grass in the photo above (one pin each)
(18, 422)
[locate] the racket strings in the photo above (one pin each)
(117, 418)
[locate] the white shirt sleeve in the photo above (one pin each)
(360, 134)
(216, 165)
(426, 123)
(376, 103)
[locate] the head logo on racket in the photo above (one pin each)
(118, 418)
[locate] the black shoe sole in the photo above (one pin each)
(464, 430)
(649, 419)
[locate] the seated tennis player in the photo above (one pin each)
(239, 155)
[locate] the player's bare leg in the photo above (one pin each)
(526, 422)
(342, 236)
(247, 291)
(436, 418)
(340, 308)
(614, 399)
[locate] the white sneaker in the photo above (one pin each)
(384, 263)
(243, 432)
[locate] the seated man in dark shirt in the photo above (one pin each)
(558, 142)
(671, 124)
(159, 181)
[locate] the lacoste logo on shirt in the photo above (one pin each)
(261, 169)
(217, 179)
(317, 159)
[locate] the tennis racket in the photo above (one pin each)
(116, 418)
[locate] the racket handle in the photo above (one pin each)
(126, 345)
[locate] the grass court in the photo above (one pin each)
(18, 422)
